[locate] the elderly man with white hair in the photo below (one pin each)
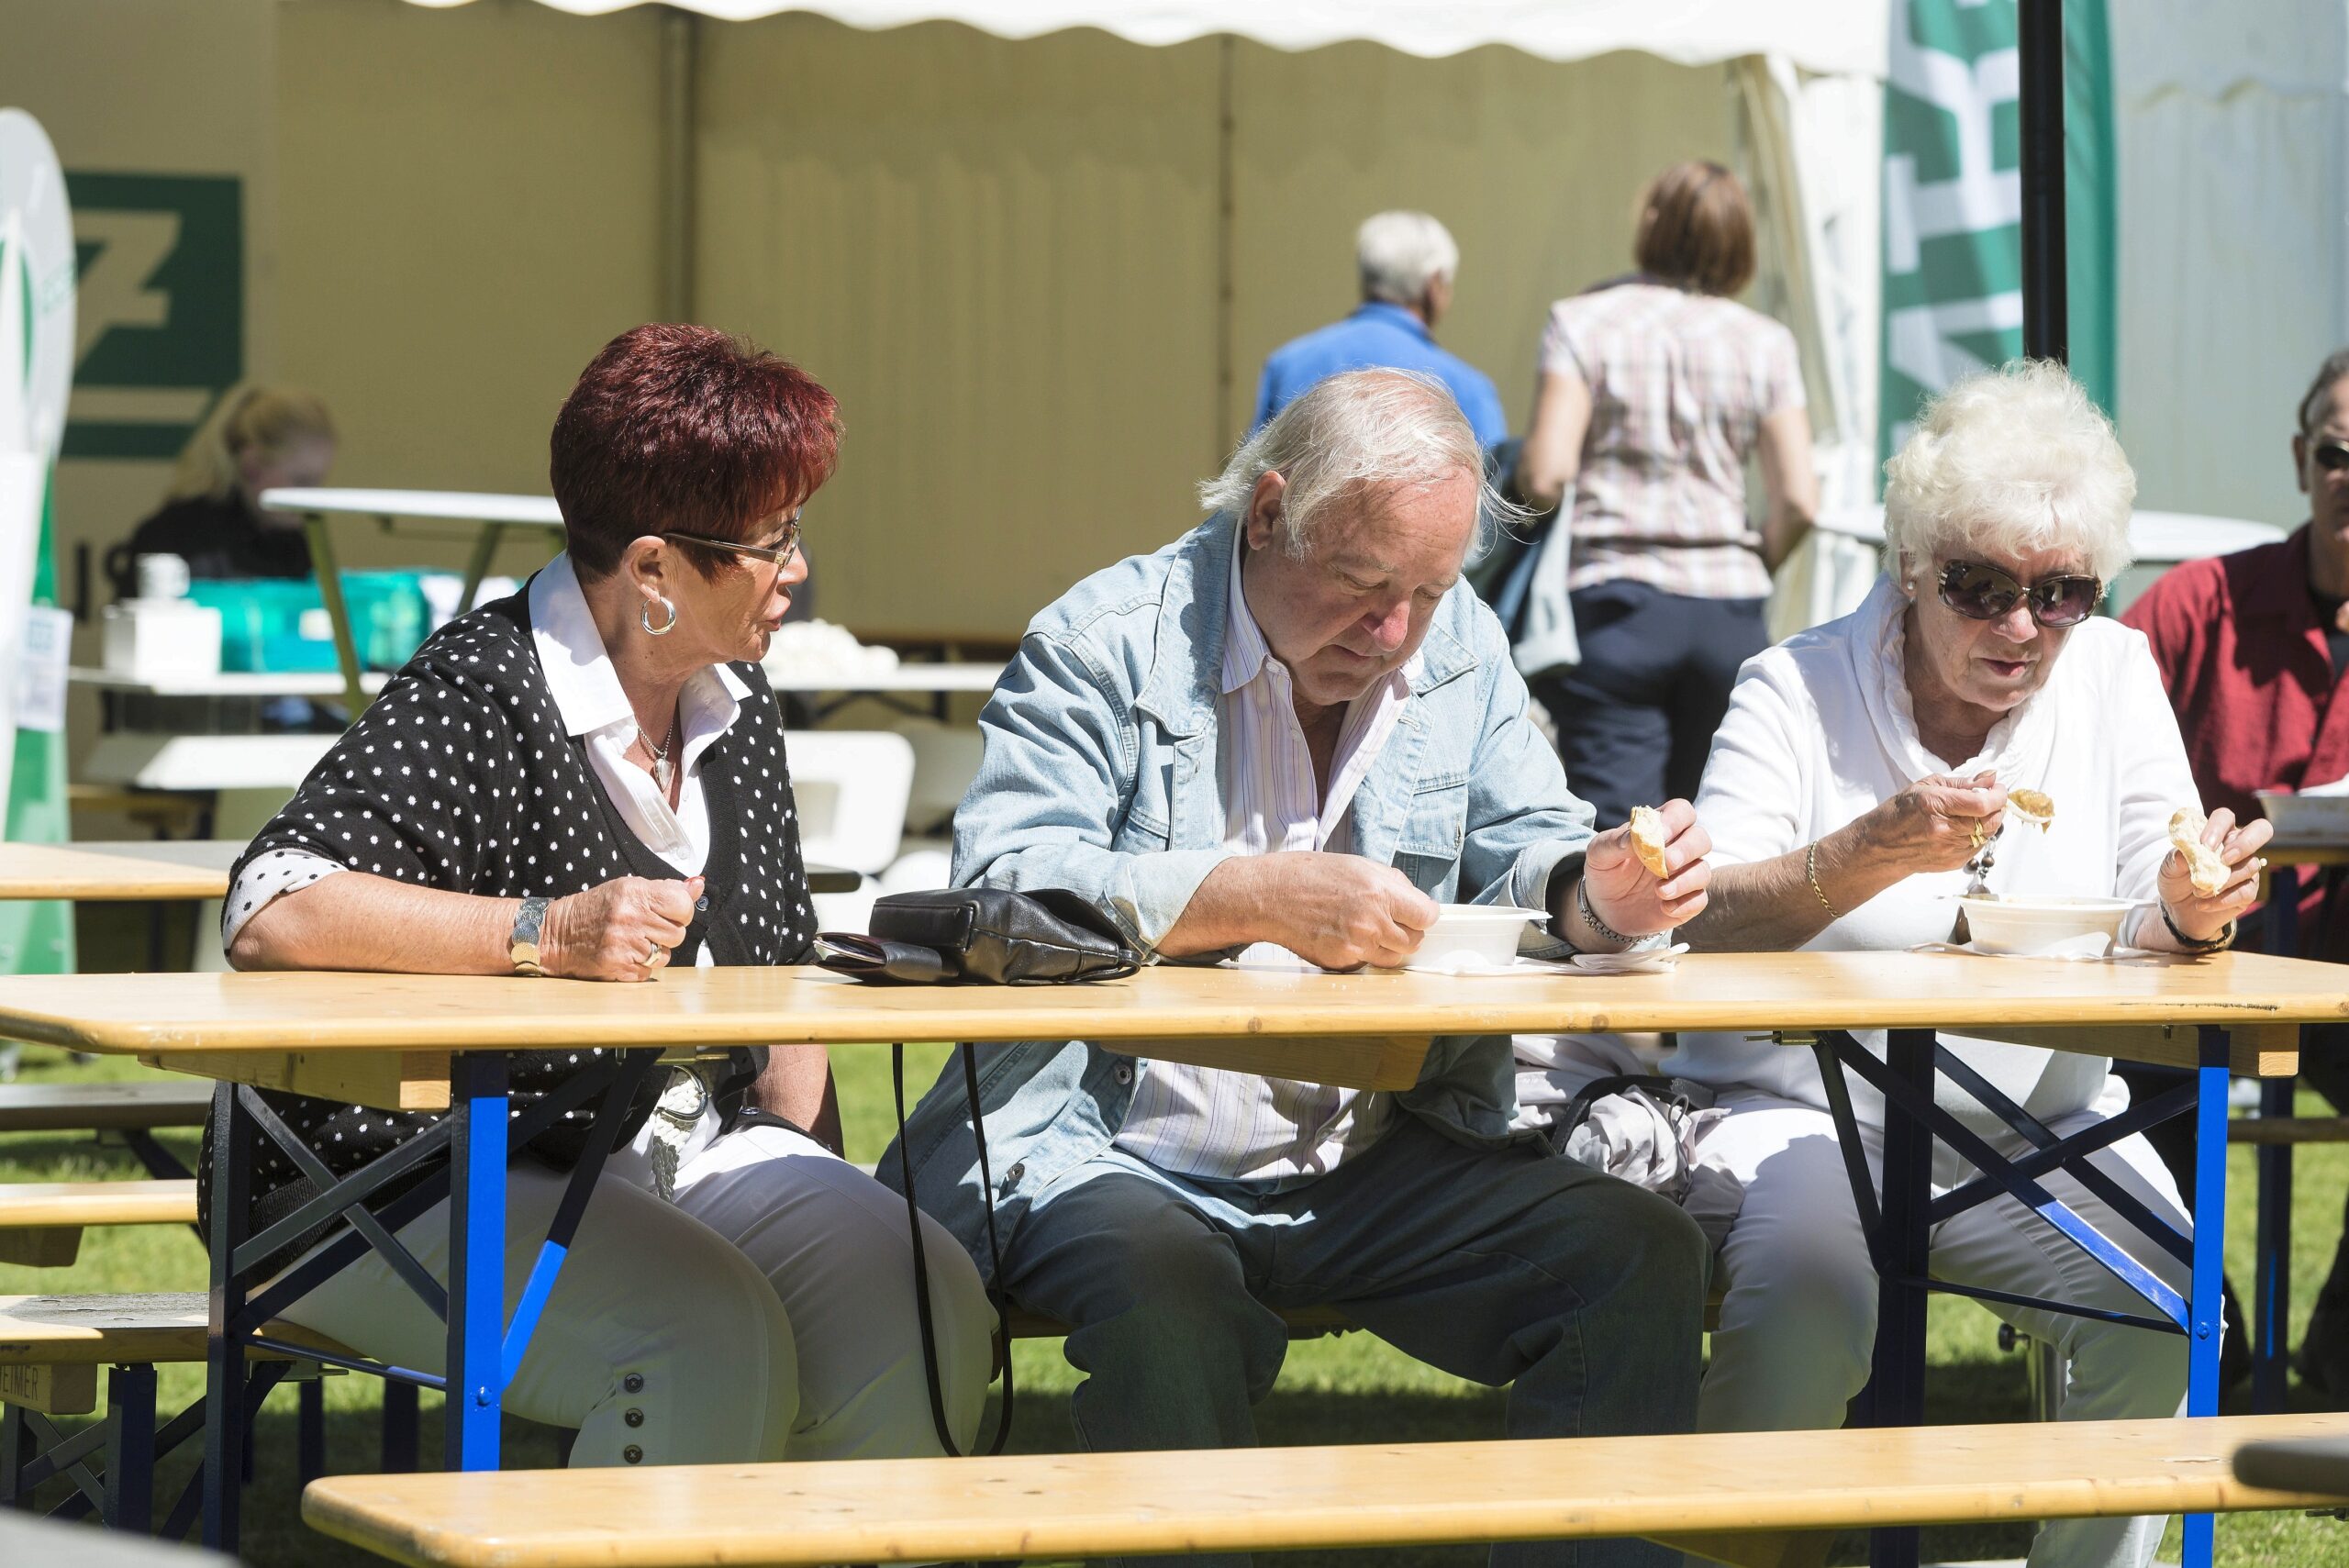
(1407, 262)
(1295, 728)
(1863, 766)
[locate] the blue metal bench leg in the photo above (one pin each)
(399, 1427)
(130, 1448)
(224, 1421)
(310, 1444)
(1897, 1382)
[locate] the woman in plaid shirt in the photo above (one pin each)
(1656, 390)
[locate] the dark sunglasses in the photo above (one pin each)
(2330, 456)
(780, 554)
(1980, 592)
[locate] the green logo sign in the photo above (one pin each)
(161, 325)
(1953, 201)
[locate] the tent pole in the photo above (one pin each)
(680, 36)
(2039, 43)
(1226, 282)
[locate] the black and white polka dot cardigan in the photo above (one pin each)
(461, 776)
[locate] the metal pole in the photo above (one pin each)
(2040, 42)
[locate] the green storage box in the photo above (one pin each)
(280, 625)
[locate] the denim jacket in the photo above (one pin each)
(1101, 775)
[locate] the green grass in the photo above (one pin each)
(1349, 1389)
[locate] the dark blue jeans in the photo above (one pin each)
(1636, 717)
(1503, 1266)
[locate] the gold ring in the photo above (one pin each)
(652, 955)
(1980, 833)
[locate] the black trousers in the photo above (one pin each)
(1636, 717)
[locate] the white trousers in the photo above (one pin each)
(1798, 1323)
(768, 1313)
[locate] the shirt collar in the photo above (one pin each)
(1400, 316)
(579, 672)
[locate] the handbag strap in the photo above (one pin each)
(921, 1261)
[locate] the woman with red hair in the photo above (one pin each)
(588, 780)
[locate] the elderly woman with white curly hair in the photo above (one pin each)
(1861, 765)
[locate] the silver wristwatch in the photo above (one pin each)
(522, 943)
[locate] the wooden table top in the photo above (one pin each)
(119, 871)
(161, 1014)
(1056, 1506)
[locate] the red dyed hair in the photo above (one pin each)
(685, 430)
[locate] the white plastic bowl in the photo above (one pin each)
(2042, 925)
(2307, 819)
(1472, 935)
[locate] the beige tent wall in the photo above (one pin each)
(1003, 256)
(1533, 166)
(1000, 255)
(466, 213)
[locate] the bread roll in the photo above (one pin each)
(2208, 870)
(1647, 839)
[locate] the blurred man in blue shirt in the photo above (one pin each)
(1407, 262)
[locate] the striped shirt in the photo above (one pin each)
(1680, 383)
(1203, 1122)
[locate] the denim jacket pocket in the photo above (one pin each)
(1428, 850)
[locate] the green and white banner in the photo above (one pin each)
(1952, 200)
(36, 272)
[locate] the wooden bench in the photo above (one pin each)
(133, 1111)
(42, 1222)
(1718, 1493)
(50, 1349)
(2288, 1129)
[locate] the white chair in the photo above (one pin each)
(946, 759)
(851, 787)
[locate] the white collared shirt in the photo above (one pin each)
(1222, 1126)
(586, 691)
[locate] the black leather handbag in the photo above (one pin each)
(990, 935)
(987, 936)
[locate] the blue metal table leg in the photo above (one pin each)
(2208, 1335)
(1897, 1382)
(2272, 1317)
(2271, 1323)
(477, 1106)
(224, 1407)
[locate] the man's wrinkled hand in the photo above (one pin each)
(1343, 912)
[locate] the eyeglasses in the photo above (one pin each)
(780, 554)
(1981, 592)
(2330, 456)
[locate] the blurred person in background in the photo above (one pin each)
(2255, 648)
(1656, 391)
(1407, 262)
(255, 439)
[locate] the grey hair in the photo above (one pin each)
(2318, 401)
(1360, 429)
(1399, 253)
(2015, 459)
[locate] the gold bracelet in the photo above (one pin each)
(1810, 873)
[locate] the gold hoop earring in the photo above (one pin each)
(647, 617)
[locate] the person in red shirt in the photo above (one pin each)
(2254, 650)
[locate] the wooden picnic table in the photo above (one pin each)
(425, 1041)
(124, 871)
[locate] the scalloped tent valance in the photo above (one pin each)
(1826, 37)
